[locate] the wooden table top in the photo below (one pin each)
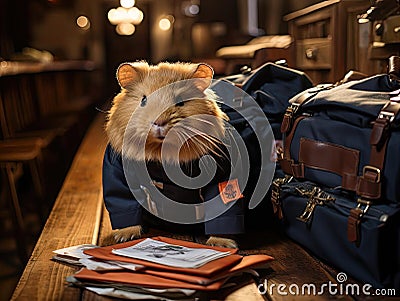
(79, 217)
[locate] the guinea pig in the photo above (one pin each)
(156, 120)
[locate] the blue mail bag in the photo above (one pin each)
(317, 218)
(269, 88)
(347, 136)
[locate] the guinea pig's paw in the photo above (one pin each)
(128, 233)
(222, 242)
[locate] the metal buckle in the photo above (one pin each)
(361, 202)
(316, 197)
(395, 96)
(387, 115)
(292, 109)
(279, 152)
(276, 194)
(373, 169)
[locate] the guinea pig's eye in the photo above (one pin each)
(143, 101)
(179, 101)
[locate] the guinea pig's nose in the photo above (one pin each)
(159, 129)
(159, 122)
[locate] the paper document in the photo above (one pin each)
(169, 254)
(108, 265)
(73, 254)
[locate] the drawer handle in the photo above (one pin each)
(311, 53)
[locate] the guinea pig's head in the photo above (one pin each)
(165, 112)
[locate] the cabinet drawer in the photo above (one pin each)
(314, 53)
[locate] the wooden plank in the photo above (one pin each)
(292, 266)
(309, 9)
(74, 220)
(247, 292)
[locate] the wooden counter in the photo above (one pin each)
(79, 217)
(14, 68)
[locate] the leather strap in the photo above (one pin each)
(288, 128)
(338, 159)
(353, 226)
(286, 163)
(369, 183)
(297, 102)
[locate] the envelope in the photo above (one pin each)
(247, 263)
(212, 268)
(143, 280)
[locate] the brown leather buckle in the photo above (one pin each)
(377, 171)
(288, 117)
(276, 195)
(361, 202)
(354, 221)
(389, 116)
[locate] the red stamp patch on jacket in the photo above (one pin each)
(230, 191)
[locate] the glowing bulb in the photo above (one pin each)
(164, 24)
(127, 3)
(135, 15)
(194, 9)
(83, 22)
(113, 16)
(125, 29)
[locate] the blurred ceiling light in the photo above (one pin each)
(166, 22)
(127, 3)
(191, 10)
(83, 22)
(126, 14)
(125, 29)
(135, 15)
(113, 16)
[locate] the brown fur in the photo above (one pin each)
(222, 242)
(200, 117)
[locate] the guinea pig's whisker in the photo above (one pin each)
(214, 142)
(213, 148)
(196, 149)
(205, 121)
(199, 145)
(209, 138)
(182, 138)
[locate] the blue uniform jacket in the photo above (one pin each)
(125, 210)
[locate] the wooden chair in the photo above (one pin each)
(12, 155)
(22, 146)
(38, 123)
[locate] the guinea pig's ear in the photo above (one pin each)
(126, 74)
(205, 74)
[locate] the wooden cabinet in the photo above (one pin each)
(329, 41)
